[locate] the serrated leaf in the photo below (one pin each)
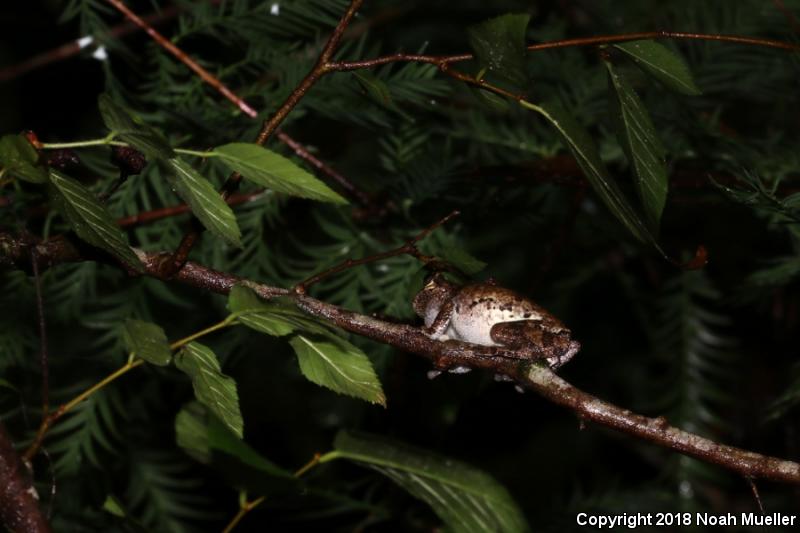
(641, 144)
(273, 318)
(133, 131)
(499, 46)
(212, 388)
(465, 498)
(205, 438)
(273, 171)
(582, 147)
(661, 63)
(191, 432)
(204, 201)
(90, 220)
(339, 366)
(20, 158)
(147, 341)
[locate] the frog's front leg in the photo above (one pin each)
(533, 339)
(442, 321)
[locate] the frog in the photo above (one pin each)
(488, 314)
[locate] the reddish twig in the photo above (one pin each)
(303, 153)
(409, 248)
(19, 506)
(14, 251)
(154, 215)
(205, 75)
(568, 43)
(788, 14)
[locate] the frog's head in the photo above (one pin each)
(430, 299)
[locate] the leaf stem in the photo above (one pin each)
(48, 421)
(132, 363)
(246, 506)
(219, 325)
(108, 141)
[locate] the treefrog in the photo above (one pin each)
(490, 315)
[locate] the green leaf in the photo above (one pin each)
(20, 158)
(582, 147)
(499, 46)
(90, 220)
(465, 498)
(212, 388)
(273, 171)
(113, 506)
(205, 438)
(644, 150)
(205, 202)
(339, 366)
(661, 63)
(147, 341)
(133, 131)
(191, 432)
(221, 439)
(273, 318)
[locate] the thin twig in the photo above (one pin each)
(43, 360)
(756, 494)
(567, 43)
(301, 151)
(165, 43)
(245, 506)
(408, 248)
(146, 217)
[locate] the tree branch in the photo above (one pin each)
(15, 252)
(568, 43)
(19, 506)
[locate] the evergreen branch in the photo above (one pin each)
(19, 506)
(444, 355)
(205, 75)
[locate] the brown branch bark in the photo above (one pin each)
(19, 505)
(569, 43)
(15, 252)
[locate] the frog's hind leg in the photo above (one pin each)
(531, 339)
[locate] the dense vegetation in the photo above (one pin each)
(643, 192)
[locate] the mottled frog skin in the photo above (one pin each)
(489, 315)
